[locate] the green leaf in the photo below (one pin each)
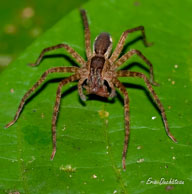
(90, 136)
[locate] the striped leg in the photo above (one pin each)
(129, 54)
(80, 89)
(56, 109)
(70, 50)
(29, 92)
(122, 88)
(87, 34)
(121, 42)
(125, 73)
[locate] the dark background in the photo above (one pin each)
(24, 20)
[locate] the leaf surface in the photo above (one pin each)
(90, 136)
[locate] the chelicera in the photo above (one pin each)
(98, 75)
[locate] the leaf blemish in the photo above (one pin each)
(33, 159)
(14, 160)
(103, 114)
(94, 176)
(169, 187)
(42, 115)
(173, 158)
(12, 90)
(67, 168)
(15, 192)
(64, 127)
(139, 147)
(140, 160)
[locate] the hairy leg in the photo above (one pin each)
(111, 85)
(80, 89)
(87, 34)
(42, 78)
(122, 88)
(70, 50)
(121, 42)
(130, 53)
(125, 73)
(56, 109)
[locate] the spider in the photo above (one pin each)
(98, 75)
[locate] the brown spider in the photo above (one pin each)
(98, 75)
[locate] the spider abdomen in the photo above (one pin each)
(103, 44)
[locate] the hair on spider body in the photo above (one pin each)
(98, 75)
(95, 82)
(103, 44)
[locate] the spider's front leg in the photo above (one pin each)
(70, 50)
(122, 88)
(41, 80)
(129, 54)
(56, 109)
(125, 73)
(87, 34)
(122, 39)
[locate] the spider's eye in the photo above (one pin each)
(103, 44)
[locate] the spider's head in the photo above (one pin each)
(103, 44)
(99, 91)
(95, 84)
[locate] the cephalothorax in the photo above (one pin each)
(98, 75)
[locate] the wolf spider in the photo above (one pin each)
(98, 75)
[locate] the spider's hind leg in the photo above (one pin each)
(38, 83)
(122, 88)
(125, 73)
(56, 109)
